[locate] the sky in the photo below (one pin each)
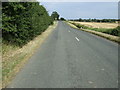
(75, 10)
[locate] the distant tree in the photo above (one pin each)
(97, 20)
(55, 15)
(80, 20)
(62, 19)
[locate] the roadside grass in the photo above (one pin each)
(0, 63)
(110, 34)
(14, 57)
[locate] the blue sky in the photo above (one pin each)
(74, 10)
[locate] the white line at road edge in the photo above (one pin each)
(77, 39)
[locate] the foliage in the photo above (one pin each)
(116, 31)
(96, 20)
(55, 15)
(22, 21)
(62, 19)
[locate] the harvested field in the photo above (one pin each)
(98, 25)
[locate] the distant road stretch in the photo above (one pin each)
(70, 58)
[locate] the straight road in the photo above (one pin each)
(70, 58)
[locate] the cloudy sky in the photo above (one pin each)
(73, 10)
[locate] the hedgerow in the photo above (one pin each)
(22, 21)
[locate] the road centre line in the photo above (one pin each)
(77, 39)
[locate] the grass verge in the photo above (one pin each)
(99, 32)
(14, 58)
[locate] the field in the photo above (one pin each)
(98, 25)
(108, 28)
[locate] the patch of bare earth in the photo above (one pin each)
(14, 58)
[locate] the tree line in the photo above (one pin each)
(23, 21)
(96, 20)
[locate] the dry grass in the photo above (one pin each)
(98, 25)
(14, 58)
(72, 25)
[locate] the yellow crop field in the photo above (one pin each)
(98, 25)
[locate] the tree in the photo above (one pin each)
(55, 15)
(23, 21)
(80, 20)
(62, 19)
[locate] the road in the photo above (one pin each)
(71, 58)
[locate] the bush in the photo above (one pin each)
(22, 21)
(116, 31)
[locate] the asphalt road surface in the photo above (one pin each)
(71, 58)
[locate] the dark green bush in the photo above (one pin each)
(22, 21)
(116, 31)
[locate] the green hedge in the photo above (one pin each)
(22, 21)
(115, 31)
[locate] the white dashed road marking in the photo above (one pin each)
(90, 82)
(103, 69)
(117, 81)
(95, 87)
(77, 39)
